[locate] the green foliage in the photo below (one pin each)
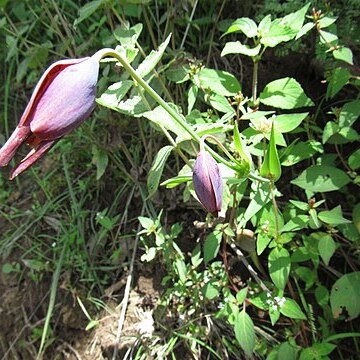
(285, 249)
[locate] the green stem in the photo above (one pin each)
(171, 111)
(255, 80)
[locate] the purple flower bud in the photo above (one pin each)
(208, 182)
(63, 98)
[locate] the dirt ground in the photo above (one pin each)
(23, 310)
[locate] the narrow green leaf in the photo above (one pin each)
(101, 160)
(157, 168)
(235, 47)
(245, 332)
(212, 245)
(339, 78)
(192, 94)
(326, 248)
(152, 59)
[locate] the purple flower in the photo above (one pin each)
(63, 98)
(208, 182)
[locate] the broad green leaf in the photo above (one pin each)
(241, 295)
(128, 36)
(328, 38)
(288, 122)
(345, 294)
(292, 310)
(286, 351)
(304, 30)
(211, 289)
(245, 333)
(354, 160)
(180, 267)
(162, 118)
(284, 29)
(259, 199)
(157, 168)
(285, 93)
(133, 106)
(146, 222)
(326, 248)
(339, 78)
(321, 178)
(279, 267)
(245, 25)
(100, 160)
(221, 104)
(152, 59)
(322, 295)
(212, 245)
(296, 223)
(343, 54)
(264, 25)
(271, 166)
(178, 74)
(114, 94)
(326, 21)
(235, 47)
(220, 82)
(317, 351)
(307, 275)
(333, 217)
(262, 241)
(300, 151)
(349, 113)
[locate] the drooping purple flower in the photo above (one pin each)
(63, 98)
(207, 182)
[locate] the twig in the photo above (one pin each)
(188, 25)
(248, 266)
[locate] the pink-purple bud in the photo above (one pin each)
(207, 182)
(63, 98)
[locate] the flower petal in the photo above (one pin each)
(44, 82)
(67, 101)
(16, 139)
(33, 156)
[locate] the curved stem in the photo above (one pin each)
(107, 52)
